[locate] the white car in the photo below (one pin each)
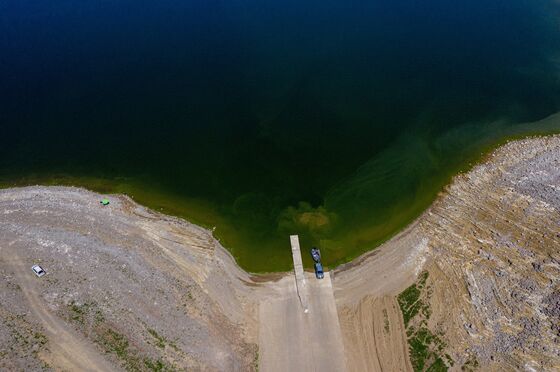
(38, 270)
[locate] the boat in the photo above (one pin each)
(316, 254)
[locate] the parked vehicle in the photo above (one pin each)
(319, 270)
(316, 254)
(38, 270)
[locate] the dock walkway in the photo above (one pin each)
(300, 276)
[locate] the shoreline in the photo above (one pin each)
(179, 206)
(351, 263)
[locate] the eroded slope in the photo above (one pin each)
(477, 276)
(495, 260)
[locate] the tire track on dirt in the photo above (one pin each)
(68, 350)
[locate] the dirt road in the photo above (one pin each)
(69, 351)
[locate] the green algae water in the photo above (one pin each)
(336, 120)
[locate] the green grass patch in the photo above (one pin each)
(40, 338)
(385, 321)
(157, 365)
(425, 348)
(99, 317)
(409, 300)
(437, 366)
(160, 340)
(470, 365)
(78, 313)
(86, 313)
(112, 342)
(256, 360)
(117, 344)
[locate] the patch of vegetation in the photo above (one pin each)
(470, 365)
(437, 366)
(12, 285)
(78, 312)
(160, 340)
(23, 341)
(173, 344)
(386, 321)
(86, 314)
(409, 300)
(256, 360)
(157, 366)
(450, 361)
(99, 317)
(46, 366)
(40, 338)
(425, 348)
(117, 344)
(410, 331)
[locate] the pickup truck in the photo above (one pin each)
(319, 270)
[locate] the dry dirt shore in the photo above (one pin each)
(484, 266)
(125, 288)
(128, 288)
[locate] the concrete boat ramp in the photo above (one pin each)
(299, 328)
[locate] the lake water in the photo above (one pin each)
(339, 120)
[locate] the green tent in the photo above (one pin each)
(105, 201)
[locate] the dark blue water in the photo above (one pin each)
(336, 119)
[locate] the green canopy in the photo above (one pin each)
(105, 201)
